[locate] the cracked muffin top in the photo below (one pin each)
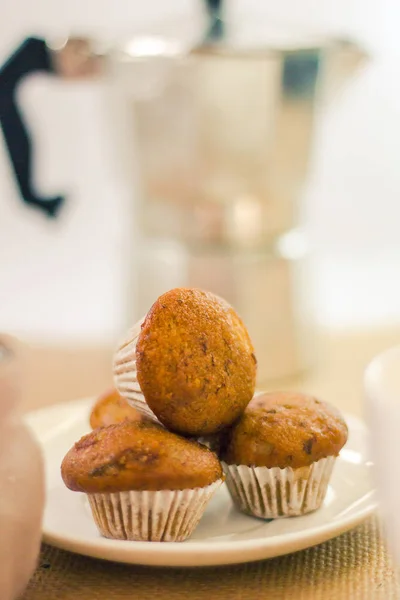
(285, 429)
(137, 456)
(195, 362)
(111, 408)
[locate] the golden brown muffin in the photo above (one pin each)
(137, 456)
(195, 362)
(285, 429)
(111, 408)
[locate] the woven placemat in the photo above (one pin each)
(354, 566)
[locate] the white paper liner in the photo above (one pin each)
(125, 374)
(161, 516)
(274, 493)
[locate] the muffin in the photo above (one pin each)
(111, 408)
(193, 362)
(278, 458)
(143, 483)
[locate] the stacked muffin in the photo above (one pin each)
(112, 408)
(188, 372)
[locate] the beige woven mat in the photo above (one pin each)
(354, 566)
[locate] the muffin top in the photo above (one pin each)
(137, 456)
(285, 429)
(111, 408)
(195, 362)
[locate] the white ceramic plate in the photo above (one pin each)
(224, 535)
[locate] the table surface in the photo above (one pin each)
(354, 566)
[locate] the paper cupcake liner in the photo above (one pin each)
(125, 373)
(147, 516)
(274, 493)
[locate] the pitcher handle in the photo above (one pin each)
(31, 56)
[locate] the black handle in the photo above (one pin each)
(216, 26)
(31, 56)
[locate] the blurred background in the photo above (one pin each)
(68, 281)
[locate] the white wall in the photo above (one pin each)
(65, 280)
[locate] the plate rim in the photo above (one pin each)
(197, 554)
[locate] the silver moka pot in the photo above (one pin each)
(218, 135)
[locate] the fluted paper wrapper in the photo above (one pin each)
(274, 493)
(125, 373)
(147, 516)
